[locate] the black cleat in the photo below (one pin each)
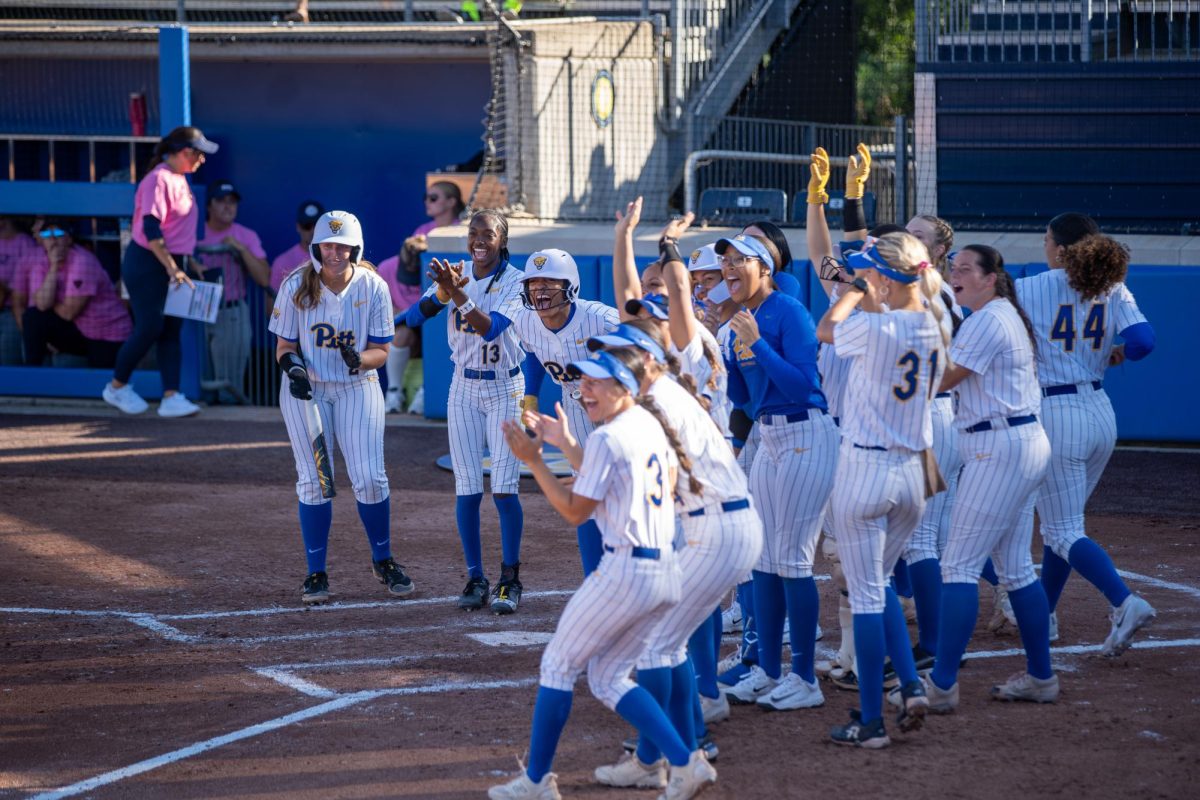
(507, 595)
(315, 589)
(913, 706)
(475, 595)
(390, 573)
(856, 733)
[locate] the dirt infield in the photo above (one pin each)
(151, 638)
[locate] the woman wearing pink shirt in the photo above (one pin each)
(16, 247)
(443, 202)
(164, 237)
(298, 254)
(69, 302)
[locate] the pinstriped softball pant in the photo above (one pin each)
(352, 416)
(1002, 469)
(929, 539)
(607, 624)
(474, 411)
(719, 551)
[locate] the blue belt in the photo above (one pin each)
(866, 447)
(651, 553)
(1067, 388)
(728, 505)
(487, 374)
(837, 421)
(940, 395)
(799, 416)
(1013, 422)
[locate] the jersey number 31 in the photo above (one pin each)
(910, 362)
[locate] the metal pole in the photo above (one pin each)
(900, 176)
(694, 158)
(645, 9)
(181, 11)
(922, 25)
(1085, 32)
(677, 65)
(408, 10)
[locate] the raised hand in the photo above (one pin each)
(627, 221)
(818, 177)
(857, 172)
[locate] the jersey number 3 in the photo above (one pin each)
(910, 362)
(1064, 327)
(654, 467)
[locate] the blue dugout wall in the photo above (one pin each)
(1152, 397)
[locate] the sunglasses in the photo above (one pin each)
(52, 233)
(432, 198)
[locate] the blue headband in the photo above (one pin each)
(869, 258)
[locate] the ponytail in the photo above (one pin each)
(652, 329)
(1095, 264)
(905, 254)
(685, 461)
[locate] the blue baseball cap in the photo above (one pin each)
(627, 336)
(602, 366)
(654, 304)
(748, 246)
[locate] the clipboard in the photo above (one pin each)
(201, 303)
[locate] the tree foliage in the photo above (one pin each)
(886, 59)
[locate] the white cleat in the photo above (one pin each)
(1132, 615)
(630, 772)
(791, 693)
(393, 401)
(731, 619)
(690, 780)
(1025, 687)
(521, 788)
(715, 710)
(1054, 626)
(753, 685)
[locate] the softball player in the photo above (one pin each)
(625, 476)
(334, 322)
(773, 375)
(553, 327)
(484, 392)
(1077, 307)
(897, 362)
(1005, 454)
(722, 536)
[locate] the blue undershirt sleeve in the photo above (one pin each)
(151, 227)
(534, 372)
(1139, 341)
(425, 308)
(500, 324)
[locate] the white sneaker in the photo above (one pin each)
(714, 710)
(690, 780)
(629, 771)
(1024, 686)
(124, 398)
(1054, 626)
(791, 693)
(177, 405)
(417, 406)
(753, 685)
(1002, 611)
(392, 401)
(731, 618)
(730, 661)
(1133, 615)
(521, 788)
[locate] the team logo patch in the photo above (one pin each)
(335, 225)
(539, 262)
(695, 256)
(275, 313)
(741, 237)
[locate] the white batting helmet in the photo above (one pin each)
(338, 227)
(704, 259)
(554, 265)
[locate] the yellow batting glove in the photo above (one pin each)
(818, 177)
(857, 173)
(529, 403)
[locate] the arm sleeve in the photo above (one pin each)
(795, 370)
(381, 328)
(851, 334)
(978, 343)
(500, 324)
(596, 470)
(152, 227)
(534, 372)
(1139, 341)
(426, 308)
(285, 322)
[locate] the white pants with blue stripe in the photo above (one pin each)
(929, 539)
(475, 410)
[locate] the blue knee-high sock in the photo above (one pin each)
(704, 658)
(900, 579)
(591, 546)
(868, 644)
(466, 512)
(512, 525)
(716, 628)
(377, 522)
(1055, 571)
(1090, 561)
(895, 635)
(989, 573)
(697, 716)
(960, 608)
(684, 708)
(1033, 620)
(657, 682)
(926, 576)
(771, 604)
(315, 521)
(550, 714)
(745, 594)
(803, 609)
(638, 708)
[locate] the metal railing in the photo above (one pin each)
(123, 148)
(997, 31)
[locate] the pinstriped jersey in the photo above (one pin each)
(834, 370)
(1075, 336)
(713, 462)
(626, 466)
(994, 345)
(361, 313)
(897, 364)
(500, 292)
(693, 361)
(557, 349)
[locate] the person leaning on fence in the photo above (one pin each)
(164, 238)
(67, 302)
(229, 252)
(15, 247)
(297, 255)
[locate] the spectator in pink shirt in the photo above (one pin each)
(160, 255)
(68, 302)
(297, 256)
(16, 247)
(444, 203)
(229, 252)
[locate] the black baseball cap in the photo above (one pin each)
(219, 189)
(309, 212)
